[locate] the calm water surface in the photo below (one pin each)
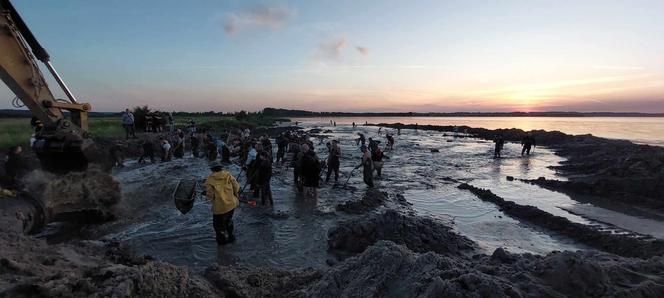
(642, 130)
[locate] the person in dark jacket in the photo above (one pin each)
(377, 158)
(263, 177)
(148, 152)
(310, 171)
(500, 142)
(333, 161)
(527, 142)
(15, 167)
(195, 143)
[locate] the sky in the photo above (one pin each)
(382, 55)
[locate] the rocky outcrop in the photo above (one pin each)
(30, 267)
(390, 270)
(420, 234)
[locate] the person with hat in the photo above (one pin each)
(222, 189)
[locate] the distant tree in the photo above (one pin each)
(241, 115)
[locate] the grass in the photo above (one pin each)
(17, 131)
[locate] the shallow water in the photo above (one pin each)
(641, 130)
(293, 233)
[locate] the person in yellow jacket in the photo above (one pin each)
(222, 190)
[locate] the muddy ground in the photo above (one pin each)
(376, 244)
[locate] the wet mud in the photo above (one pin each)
(641, 246)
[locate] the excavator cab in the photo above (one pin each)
(63, 144)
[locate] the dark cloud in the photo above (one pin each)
(270, 17)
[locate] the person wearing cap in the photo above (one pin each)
(333, 161)
(222, 189)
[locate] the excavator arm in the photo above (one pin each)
(63, 144)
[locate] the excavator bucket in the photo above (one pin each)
(63, 156)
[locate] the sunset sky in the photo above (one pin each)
(356, 55)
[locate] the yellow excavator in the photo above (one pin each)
(63, 144)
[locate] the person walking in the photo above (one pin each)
(527, 142)
(367, 167)
(222, 189)
(333, 161)
(500, 142)
(128, 124)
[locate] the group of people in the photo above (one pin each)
(527, 143)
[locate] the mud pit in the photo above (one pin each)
(295, 233)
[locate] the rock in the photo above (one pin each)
(510, 178)
(435, 150)
(501, 255)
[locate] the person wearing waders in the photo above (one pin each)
(333, 161)
(195, 143)
(367, 165)
(251, 167)
(500, 142)
(377, 158)
(263, 177)
(310, 169)
(222, 189)
(527, 142)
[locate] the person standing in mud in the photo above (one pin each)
(353, 124)
(165, 150)
(377, 159)
(210, 148)
(373, 145)
(222, 189)
(367, 167)
(333, 161)
(148, 152)
(527, 143)
(263, 177)
(15, 167)
(500, 142)
(310, 169)
(178, 145)
(195, 143)
(128, 124)
(282, 143)
(390, 141)
(171, 123)
(361, 139)
(267, 146)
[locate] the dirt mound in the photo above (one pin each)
(623, 245)
(391, 270)
(235, 281)
(30, 267)
(420, 234)
(370, 201)
(91, 195)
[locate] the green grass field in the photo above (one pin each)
(15, 131)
